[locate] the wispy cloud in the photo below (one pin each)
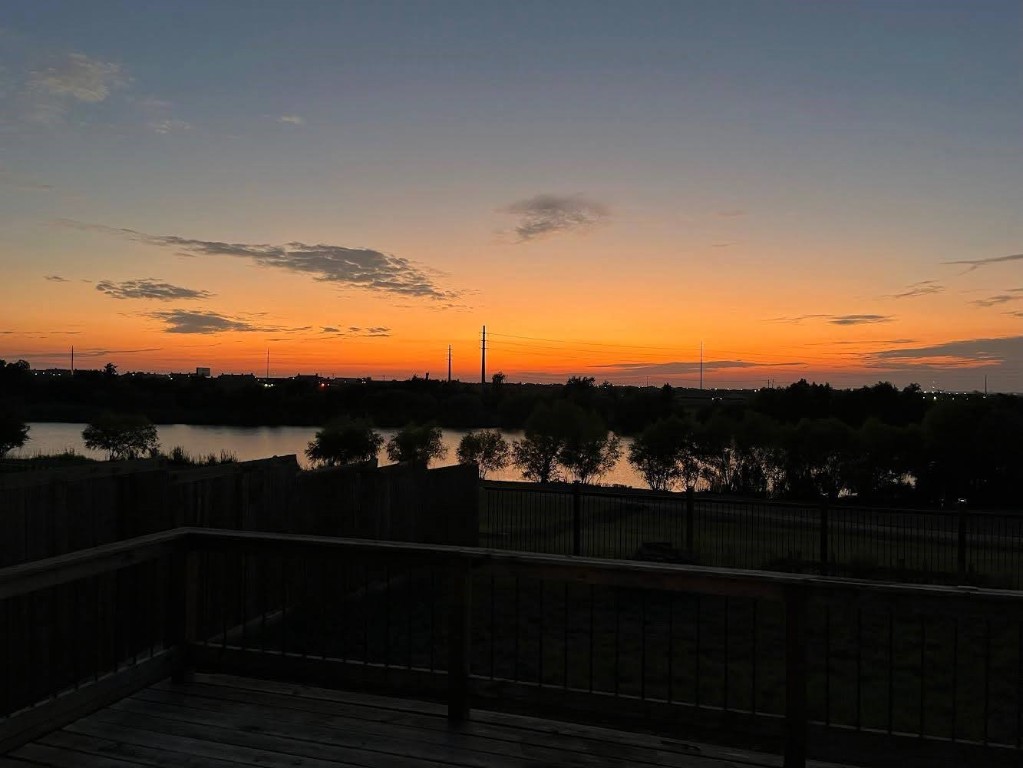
(149, 288)
(356, 331)
(198, 321)
(75, 79)
(61, 354)
(923, 288)
(56, 279)
(292, 119)
(549, 214)
(691, 366)
(80, 77)
(858, 342)
(994, 301)
(169, 126)
(837, 319)
(108, 352)
(972, 264)
(859, 319)
(965, 353)
(350, 267)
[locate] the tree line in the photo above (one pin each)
(880, 443)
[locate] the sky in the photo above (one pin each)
(803, 189)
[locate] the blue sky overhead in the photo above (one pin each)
(819, 189)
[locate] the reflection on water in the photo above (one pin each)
(259, 442)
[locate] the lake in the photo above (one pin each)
(248, 443)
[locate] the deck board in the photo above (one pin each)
(221, 721)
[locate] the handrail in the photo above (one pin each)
(39, 574)
(52, 571)
(182, 546)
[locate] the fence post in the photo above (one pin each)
(824, 536)
(795, 676)
(690, 514)
(182, 618)
(577, 529)
(459, 641)
(961, 548)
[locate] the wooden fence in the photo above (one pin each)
(49, 513)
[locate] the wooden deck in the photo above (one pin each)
(220, 721)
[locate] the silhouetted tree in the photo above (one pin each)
(13, 431)
(486, 449)
(344, 441)
(818, 456)
(714, 448)
(589, 450)
(122, 436)
(416, 443)
(758, 459)
(882, 459)
(662, 451)
(567, 436)
(536, 454)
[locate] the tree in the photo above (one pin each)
(564, 435)
(589, 450)
(536, 454)
(110, 370)
(714, 446)
(344, 441)
(662, 451)
(759, 461)
(416, 443)
(486, 449)
(818, 457)
(122, 436)
(13, 431)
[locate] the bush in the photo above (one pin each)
(122, 436)
(487, 450)
(344, 441)
(416, 443)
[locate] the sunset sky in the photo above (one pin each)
(828, 190)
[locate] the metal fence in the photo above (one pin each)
(928, 546)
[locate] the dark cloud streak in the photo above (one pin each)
(352, 267)
(924, 288)
(148, 288)
(972, 264)
(198, 321)
(549, 214)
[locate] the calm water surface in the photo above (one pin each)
(260, 442)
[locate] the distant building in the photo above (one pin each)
(203, 373)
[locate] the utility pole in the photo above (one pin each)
(701, 365)
(449, 363)
(483, 358)
(72, 359)
(268, 363)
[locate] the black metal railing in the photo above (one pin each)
(798, 664)
(926, 546)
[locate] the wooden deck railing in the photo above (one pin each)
(778, 661)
